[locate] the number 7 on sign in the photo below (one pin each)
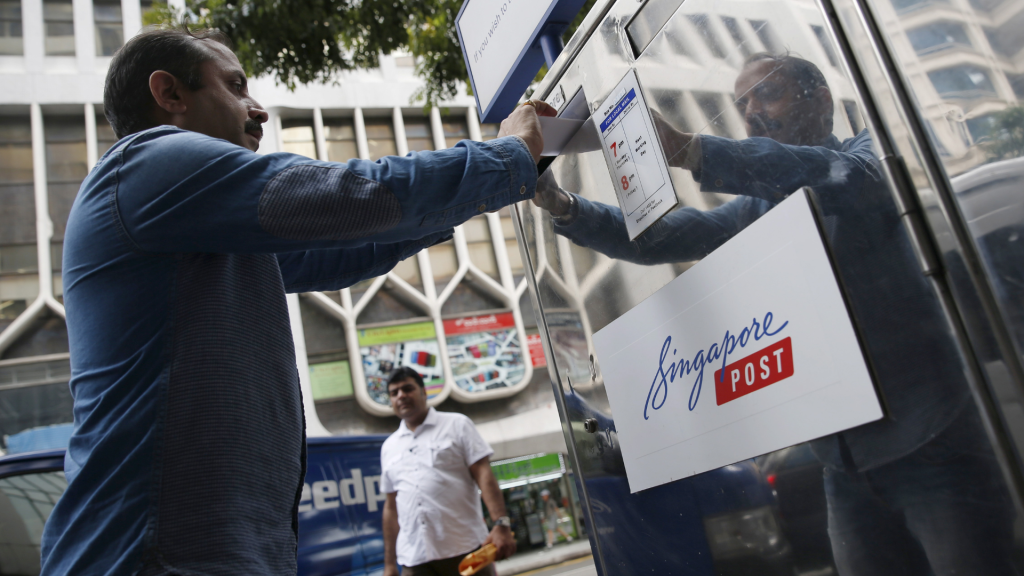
(613, 147)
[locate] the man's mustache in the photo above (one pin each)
(253, 125)
(763, 124)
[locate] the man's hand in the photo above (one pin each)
(391, 570)
(501, 537)
(549, 196)
(523, 122)
(674, 142)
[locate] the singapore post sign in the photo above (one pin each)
(749, 351)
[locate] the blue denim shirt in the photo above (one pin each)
(187, 455)
(912, 353)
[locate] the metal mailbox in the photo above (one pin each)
(899, 121)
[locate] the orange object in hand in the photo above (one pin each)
(474, 561)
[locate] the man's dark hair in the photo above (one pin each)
(127, 102)
(405, 373)
(804, 72)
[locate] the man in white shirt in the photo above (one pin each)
(431, 468)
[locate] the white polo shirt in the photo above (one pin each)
(439, 513)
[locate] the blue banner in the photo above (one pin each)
(618, 109)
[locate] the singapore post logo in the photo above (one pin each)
(733, 380)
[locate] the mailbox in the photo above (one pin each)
(777, 273)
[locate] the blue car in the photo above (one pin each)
(340, 514)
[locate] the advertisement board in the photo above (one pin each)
(386, 348)
(485, 351)
(330, 380)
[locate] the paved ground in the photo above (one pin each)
(529, 562)
(578, 567)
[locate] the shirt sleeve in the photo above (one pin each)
(474, 447)
(334, 269)
(683, 235)
(180, 191)
(765, 169)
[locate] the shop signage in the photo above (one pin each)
(386, 348)
(749, 351)
(635, 160)
(485, 351)
(330, 380)
(527, 467)
(500, 42)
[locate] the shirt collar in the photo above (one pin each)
(430, 420)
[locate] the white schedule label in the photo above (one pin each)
(635, 158)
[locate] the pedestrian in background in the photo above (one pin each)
(430, 470)
(551, 515)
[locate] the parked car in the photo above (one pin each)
(796, 474)
(722, 522)
(340, 514)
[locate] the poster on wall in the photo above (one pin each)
(330, 380)
(485, 351)
(387, 348)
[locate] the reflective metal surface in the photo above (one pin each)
(922, 491)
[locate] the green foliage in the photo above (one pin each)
(311, 41)
(1007, 135)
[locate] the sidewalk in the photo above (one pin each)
(533, 560)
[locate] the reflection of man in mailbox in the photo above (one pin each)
(919, 491)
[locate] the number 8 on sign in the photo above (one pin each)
(625, 183)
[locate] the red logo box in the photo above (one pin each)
(759, 370)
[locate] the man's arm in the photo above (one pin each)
(212, 196)
(771, 171)
(500, 536)
(765, 169)
(683, 235)
(391, 534)
(325, 270)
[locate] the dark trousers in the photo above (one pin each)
(443, 567)
(942, 510)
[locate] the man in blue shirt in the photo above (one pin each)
(918, 492)
(188, 450)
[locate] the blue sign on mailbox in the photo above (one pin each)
(504, 44)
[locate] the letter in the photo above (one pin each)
(744, 337)
(748, 374)
(352, 489)
(767, 323)
(765, 370)
(662, 384)
(735, 378)
(325, 494)
(726, 349)
(372, 494)
(756, 326)
(778, 358)
(695, 391)
(306, 495)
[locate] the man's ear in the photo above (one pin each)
(167, 91)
